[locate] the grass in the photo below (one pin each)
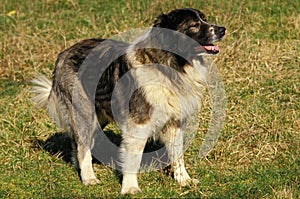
(257, 155)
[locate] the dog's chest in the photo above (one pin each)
(177, 94)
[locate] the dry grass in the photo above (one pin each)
(258, 152)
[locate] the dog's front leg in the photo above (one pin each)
(180, 173)
(173, 139)
(131, 154)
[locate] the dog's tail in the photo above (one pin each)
(45, 97)
(41, 89)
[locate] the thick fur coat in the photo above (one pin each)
(149, 88)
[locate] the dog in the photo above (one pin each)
(162, 75)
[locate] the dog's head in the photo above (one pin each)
(193, 23)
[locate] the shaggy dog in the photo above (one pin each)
(149, 88)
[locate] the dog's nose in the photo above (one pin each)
(222, 30)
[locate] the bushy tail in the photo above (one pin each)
(41, 89)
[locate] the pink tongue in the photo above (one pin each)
(212, 48)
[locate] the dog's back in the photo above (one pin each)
(83, 61)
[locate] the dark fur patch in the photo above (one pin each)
(139, 108)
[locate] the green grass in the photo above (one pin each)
(257, 155)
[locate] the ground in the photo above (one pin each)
(257, 155)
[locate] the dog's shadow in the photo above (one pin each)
(60, 145)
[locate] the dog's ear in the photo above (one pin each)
(202, 15)
(161, 21)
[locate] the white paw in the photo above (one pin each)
(90, 181)
(183, 178)
(188, 182)
(130, 184)
(130, 190)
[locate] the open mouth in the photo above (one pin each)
(209, 49)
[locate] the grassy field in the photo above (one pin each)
(257, 155)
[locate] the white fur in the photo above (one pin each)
(179, 102)
(41, 89)
(87, 174)
(130, 184)
(180, 173)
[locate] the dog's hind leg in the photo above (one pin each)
(84, 157)
(84, 138)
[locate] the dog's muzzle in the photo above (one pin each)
(210, 48)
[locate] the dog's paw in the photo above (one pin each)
(188, 182)
(90, 181)
(130, 190)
